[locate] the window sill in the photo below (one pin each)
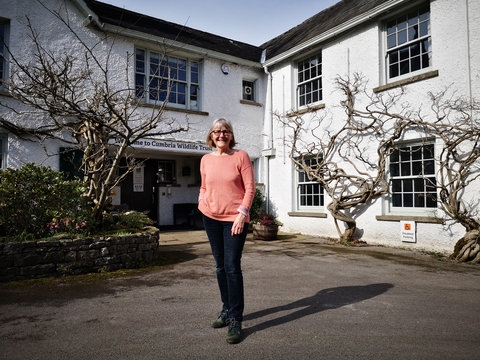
(407, 81)
(248, 102)
(170, 108)
(307, 214)
(419, 219)
(306, 110)
(169, 185)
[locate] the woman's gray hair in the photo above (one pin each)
(228, 126)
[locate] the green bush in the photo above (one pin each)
(36, 201)
(129, 220)
(257, 206)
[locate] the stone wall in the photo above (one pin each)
(36, 259)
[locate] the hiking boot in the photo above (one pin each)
(234, 334)
(221, 321)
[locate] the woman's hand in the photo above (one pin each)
(238, 224)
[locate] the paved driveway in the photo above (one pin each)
(304, 300)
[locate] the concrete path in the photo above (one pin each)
(305, 299)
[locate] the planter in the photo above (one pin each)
(265, 232)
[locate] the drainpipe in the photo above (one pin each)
(467, 39)
(269, 151)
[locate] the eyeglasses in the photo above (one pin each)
(223, 132)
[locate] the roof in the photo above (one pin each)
(117, 16)
(325, 20)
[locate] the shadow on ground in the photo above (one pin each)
(325, 299)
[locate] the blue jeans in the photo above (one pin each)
(227, 252)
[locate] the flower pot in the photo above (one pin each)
(265, 232)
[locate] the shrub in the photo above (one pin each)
(257, 206)
(267, 219)
(129, 220)
(36, 201)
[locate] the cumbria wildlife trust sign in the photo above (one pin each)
(177, 146)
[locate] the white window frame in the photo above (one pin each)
(166, 172)
(399, 184)
(301, 181)
(3, 150)
(251, 84)
(400, 43)
(309, 88)
(4, 43)
(169, 80)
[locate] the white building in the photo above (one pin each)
(420, 45)
(218, 77)
(292, 74)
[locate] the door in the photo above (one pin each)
(139, 190)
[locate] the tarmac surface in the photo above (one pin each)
(304, 299)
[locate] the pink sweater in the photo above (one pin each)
(227, 183)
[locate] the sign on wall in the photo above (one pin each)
(138, 179)
(174, 146)
(408, 231)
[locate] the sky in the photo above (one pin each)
(251, 21)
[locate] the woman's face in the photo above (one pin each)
(221, 137)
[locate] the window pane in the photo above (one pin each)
(417, 168)
(429, 151)
(407, 200)
(397, 185)
(405, 154)
(153, 89)
(402, 37)
(419, 185)
(401, 22)
(424, 28)
(429, 167)
(407, 185)
(415, 64)
(405, 169)
(139, 86)
(140, 61)
(419, 200)
(397, 200)
(412, 18)
(431, 202)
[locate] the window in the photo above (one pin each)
(166, 172)
(3, 151)
(412, 172)
(3, 52)
(160, 78)
(309, 193)
(409, 43)
(248, 90)
(309, 88)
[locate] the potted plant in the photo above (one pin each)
(265, 227)
(257, 205)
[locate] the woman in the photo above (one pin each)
(226, 194)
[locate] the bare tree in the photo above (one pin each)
(456, 123)
(82, 107)
(353, 175)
